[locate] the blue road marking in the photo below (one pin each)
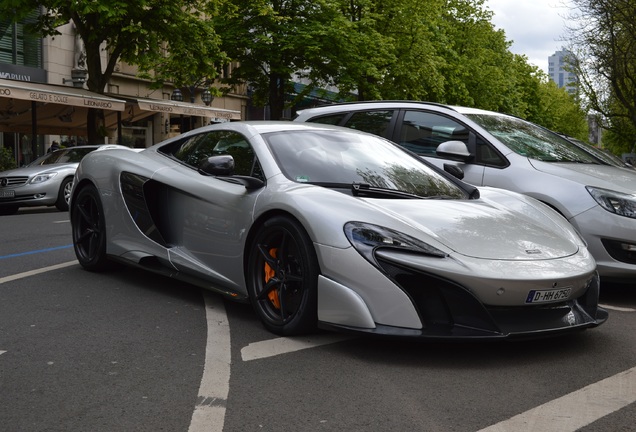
(35, 252)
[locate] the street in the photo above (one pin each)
(131, 351)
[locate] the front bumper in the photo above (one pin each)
(603, 231)
(406, 300)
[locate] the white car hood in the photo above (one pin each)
(482, 230)
(602, 176)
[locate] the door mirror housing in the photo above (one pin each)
(454, 150)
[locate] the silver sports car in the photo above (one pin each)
(319, 226)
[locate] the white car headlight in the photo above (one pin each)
(41, 178)
(616, 202)
(366, 238)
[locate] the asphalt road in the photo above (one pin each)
(130, 351)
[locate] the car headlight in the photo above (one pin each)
(616, 202)
(41, 178)
(367, 238)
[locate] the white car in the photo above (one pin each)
(503, 151)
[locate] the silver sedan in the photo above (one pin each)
(47, 181)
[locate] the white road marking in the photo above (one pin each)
(37, 271)
(62, 221)
(273, 347)
(209, 413)
(578, 409)
(616, 308)
(2, 352)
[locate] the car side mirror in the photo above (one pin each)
(217, 165)
(453, 150)
(222, 167)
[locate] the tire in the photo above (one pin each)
(282, 277)
(64, 195)
(9, 209)
(88, 227)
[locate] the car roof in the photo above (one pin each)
(268, 126)
(346, 106)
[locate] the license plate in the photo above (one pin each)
(552, 295)
(7, 194)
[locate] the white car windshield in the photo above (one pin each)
(71, 155)
(528, 139)
(333, 158)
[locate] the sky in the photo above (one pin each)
(536, 27)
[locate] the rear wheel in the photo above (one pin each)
(88, 227)
(64, 194)
(282, 277)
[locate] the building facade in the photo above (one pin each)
(43, 98)
(559, 72)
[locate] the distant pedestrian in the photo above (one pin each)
(54, 146)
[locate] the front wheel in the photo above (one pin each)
(88, 227)
(64, 194)
(282, 277)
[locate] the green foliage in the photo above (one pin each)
(603, 40)
(7, 160)
(169, 40)
(444, 51)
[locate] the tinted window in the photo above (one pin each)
(334, 119)
(375, 122)
(198, 148)
(421, 132)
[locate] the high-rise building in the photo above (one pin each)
(559, 71)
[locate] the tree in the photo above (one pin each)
(603, 42)
(170, 40)
(272, 41)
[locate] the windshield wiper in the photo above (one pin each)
(365, 189)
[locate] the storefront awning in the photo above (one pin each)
(60, 110)
(189, 109)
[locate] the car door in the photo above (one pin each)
(209, 215)
(422, 132)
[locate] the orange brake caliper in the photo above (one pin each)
(269, 273)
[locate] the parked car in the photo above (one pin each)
(46, 181)
(499, 150)
(319, 226)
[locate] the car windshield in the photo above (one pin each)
(530, 140)
(70, 155)
(332, 158)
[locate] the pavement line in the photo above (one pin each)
(616, 308)
(35, 251)
(2, 352)
(274, 347)
(576, 410)
(37, 271)
(209, 412)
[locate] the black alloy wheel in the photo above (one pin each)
(88, 228)
(282, 277)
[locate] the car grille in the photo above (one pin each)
(13, 181)
(440, 303)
